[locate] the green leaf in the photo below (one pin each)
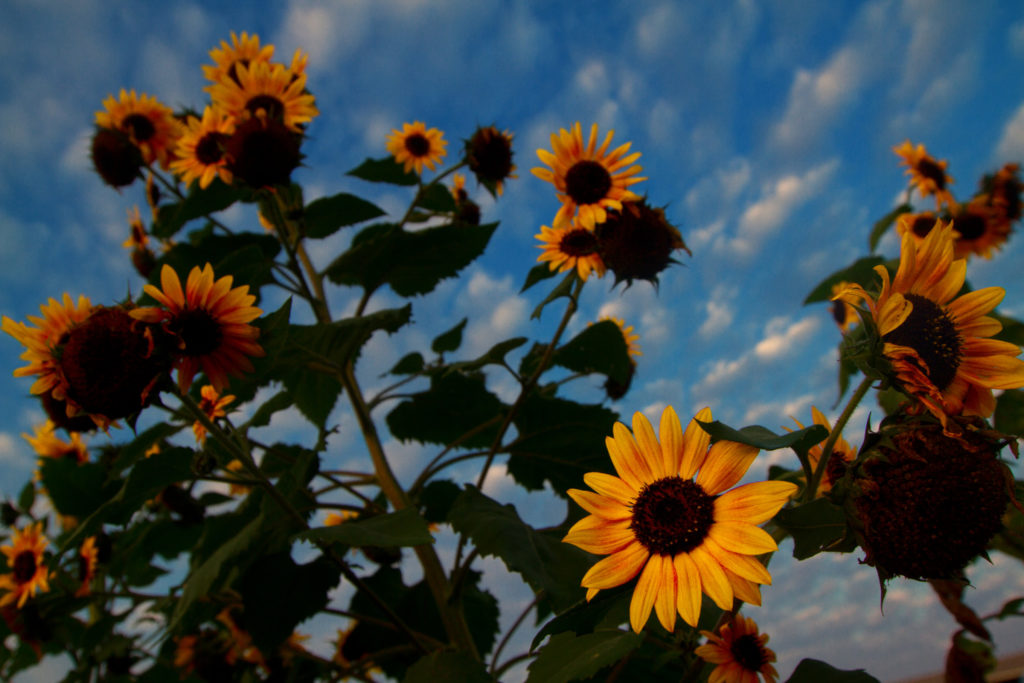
(385, 170)
(564, 288)
(607, 609)
(813, 671)
(1013, 329)
(27, 497)
(437, 198)
(327, 215)
(447, 666)
(282, 400)
(861, 272)
(884, 223)
(410, 364)
(601, 348)
(541, 271)
(814, 526)
(199, 202)
(437, 499)
(1009, 415)
(450, 340)
(559, 441)
(75, 489)
(455, 404)
(494, 356)
(247, 257)
(299, 592)
(765, 439)
(397, 529)
(542, 559)
(568, 657)
(1012, 608)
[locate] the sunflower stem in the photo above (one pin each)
(837, 430)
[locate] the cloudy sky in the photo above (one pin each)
(766, 130)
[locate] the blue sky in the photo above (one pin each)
(766, 129)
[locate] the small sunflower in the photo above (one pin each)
(926, 173)
(489, 156)
(200, 149)
(88, 559)
(47, 444)
(1004, 190)
(682, 535)
(210, 320)
(415, 146)
(843, 313)
(739, 653)
(243, 51)
(212, 404)
(271, 88)
(939, 344)
(842, 454)
(138, 239)
(981, 228)
(150, 125)
(570, 247)
(587, 177)
(28, 570)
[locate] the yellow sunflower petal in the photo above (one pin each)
(688, 592)
(671, 438)
(600, 536)
(665, 600)
(742, 538)
(753, 503)
(713, 580)
(610, 486)
(976, 303)
(617, 568)
(601, 506)
(650, 449)
(695, 444)
(645, 593)
(744, 566)
(725, 465)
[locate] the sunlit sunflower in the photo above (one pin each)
(212, 405)
(739, 652)
(200, 149)
(981, 228)
(28, 570)
(272, 88)
(842, 453)
(150, 125)
(210, 320)
(415, 146)
(587, 177)
(243, 50)
(926, 173)
(42, 340)
(843, 313)
(570, 247)
(937, 343)
(682, 535)
(88, 559)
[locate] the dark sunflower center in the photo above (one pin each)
(748, 653)
(839, 312)
(971, 226)
(197, 329)
(210, 148)
(417, 145)
(672, 516)
(490, 155)
(923, 225)
(268, 103)
(930, 331)
(587, 182)
(836, 467)
(140, 127)
(580, 242)
(932, 171)
(83, 567)
(24, 566)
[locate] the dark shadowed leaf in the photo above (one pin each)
(764, 438)
(607, 609)
(402, 528)
(494, 356)
(437, 498)
(385, 170)
(563, 288)
(409, 364)
(1009, 415)
(327, 215)
(455, 404)
(541, 271)
(436, 198)
(567, 657)
(815, 526)
(813, 671)
(884, 223)
(76, 489)
(598, 348)
(216, 197)
(450, 340)
(448, 666)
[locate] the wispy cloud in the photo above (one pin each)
(1011, 142)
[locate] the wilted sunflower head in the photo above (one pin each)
(262, 152)
(637, 243)
(924, 504)
(114, 157)
(489, 156)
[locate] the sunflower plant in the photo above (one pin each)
(246, 557)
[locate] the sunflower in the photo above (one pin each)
(739, 652)
(150, 125)
(489, 156)
(200, 149)
(138, 239)
(842, 453)
(47, 444)
(939, 344)
(242, 51)
(28, 570)
(212, 404)
(981, 228)
(210, 321)
(272, 88)
(41, 341)
(926, 173)
(843, 313)
(588, 178)
(88, 558)
(682, 535)
(415, 146)
(570, 247)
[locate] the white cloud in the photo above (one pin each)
(495, 310)
(720, 314)
(326, 33)
(1015, 37)
(1011, 142)
(9, 452)
(786, 339)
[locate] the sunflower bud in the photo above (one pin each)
(925, 504)
(115, 158)
(262, 152)
(637, 242)
(489, 156)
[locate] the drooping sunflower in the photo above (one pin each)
(28, 574)
(739, 652)
(588, 178)
(489, 156)
(416, 146)
(88, 559)
(200, 149)
(570, 247)
(243, 51)
(209, 319)
(939, 344)
(271, 88)
(150, 125)
(842, 453)
(927, 174)
(212, 404)
(673, 517)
